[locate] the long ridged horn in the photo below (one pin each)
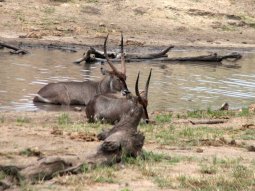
(106, 55)
(136, 85)
(123, 65)
(147, 86)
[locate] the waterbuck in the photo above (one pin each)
(123, 137)
(109, 108)
(79, 93)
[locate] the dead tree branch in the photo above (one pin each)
(210, 121)
(15, 49)
(93, 55)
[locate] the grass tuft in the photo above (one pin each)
(163, 118)
(64, 119)
(209, 113)
(22, 120)
(163, 182)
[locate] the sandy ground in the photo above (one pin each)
(220, 23)
(47, 134)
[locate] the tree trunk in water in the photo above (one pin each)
(99, 56)
(16, 49)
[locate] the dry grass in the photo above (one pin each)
(176, 156)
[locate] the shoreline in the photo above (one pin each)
(98, 42)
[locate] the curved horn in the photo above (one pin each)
(106, 55)
(147, 86)
(123, 65)
(136, 85)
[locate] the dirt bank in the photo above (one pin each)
(221, 23)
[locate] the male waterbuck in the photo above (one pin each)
(109, 108)
(124, 134)
(79, 93)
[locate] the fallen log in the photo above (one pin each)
(93, 55)
(205, 58)
(210, 121)
(68, 49)
(15, 49)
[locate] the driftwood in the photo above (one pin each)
(206, 58)
(122, 140)
(15, 49)
(93, 55)
(210, 121)
(63, 48)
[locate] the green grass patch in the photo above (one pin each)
(221, 174)
(2, 119)
(244, 112)
(163, 182)
(228, 28)
(64, 119)
(209, 113)
(103, 174)
(208, 169)
(248, 134)
(163, 118)
(30, 152)
(225, 163)
(242, 172)
(49, 10)
(125, 189)
(219, 183)
(186, 136)
(2, 175)
(23, 120)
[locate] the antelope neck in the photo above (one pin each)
(104, 86)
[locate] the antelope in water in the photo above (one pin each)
(80, 93)
(110, 109)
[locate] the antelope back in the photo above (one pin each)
(110, 108)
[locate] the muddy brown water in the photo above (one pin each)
(174, 86)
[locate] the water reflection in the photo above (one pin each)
(173, 86)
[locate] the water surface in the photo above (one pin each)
(174, 86)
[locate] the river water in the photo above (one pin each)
(174, 86)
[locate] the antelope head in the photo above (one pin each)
(143, 99)
(118, 78)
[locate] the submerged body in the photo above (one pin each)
(76, 93)
(80, 93)
(67, 93)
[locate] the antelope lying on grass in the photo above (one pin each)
(110, 109)
(79, 93)
(130, 119)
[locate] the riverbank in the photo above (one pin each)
(180, 155)
(144, 23)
